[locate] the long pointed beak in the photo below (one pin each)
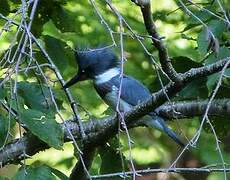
(78, 77)
(72, 81)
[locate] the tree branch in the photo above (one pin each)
(173, 88)
(165, 61)
(207, 70)
(191, 109)
(99, 131)
(168, 170)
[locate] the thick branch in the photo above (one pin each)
(185, 109)
(157, 40)
(98, 131)
(172, 89)
(195, 73)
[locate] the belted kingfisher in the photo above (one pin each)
(102, 66)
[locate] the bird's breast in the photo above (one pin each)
(109, 93)
(112, 100)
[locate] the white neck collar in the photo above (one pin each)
(107, 75)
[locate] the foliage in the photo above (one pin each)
(196, 39)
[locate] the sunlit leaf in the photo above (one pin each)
(203, 16)
(63, 20)
(193, 21)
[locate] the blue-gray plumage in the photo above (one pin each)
(132, 94)
(101, 65)
(131, 90)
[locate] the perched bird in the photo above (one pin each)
(102, 66)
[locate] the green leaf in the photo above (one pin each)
(220, 126)
(2, 93)
(16, 103)
(111, 161)
(34, 173)
(44, 13)
(189, 26)
(207, 153)
(67, 162)
(204, 38)
(44, 127)
(211, 82)
(3, 178)
(59, 174)
(36, 96)
(212, 79)
(63, 19)
(4, 123)
(57, 51)
(109, 111)
(4, 7)
(203, 16)
(223, 53)
(183, 63)
(195, 90)
(193, 22)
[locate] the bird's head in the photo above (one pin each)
(92, 63)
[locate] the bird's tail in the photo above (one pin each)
(160, 124)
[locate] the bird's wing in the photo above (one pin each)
(132, 91)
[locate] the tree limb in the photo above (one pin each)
(99, 131)
(165, 170)
(165, 61)
(191, 109)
